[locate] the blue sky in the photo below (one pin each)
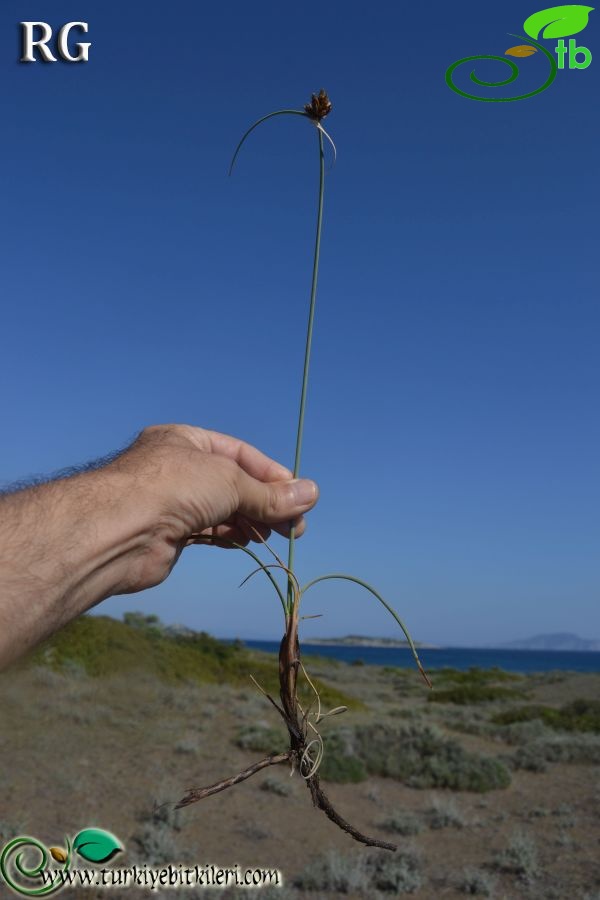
(452, 417)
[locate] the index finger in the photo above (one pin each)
(251, 460)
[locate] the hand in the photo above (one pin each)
(68, 544)
(205, 484)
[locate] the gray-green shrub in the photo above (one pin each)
(422, 757)
(444, 813)
(519, 857)
(477, 883)
(260, 738)
(395, 874)
(401, 822)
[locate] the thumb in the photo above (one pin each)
(275, 501)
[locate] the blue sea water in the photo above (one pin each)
(522, 661)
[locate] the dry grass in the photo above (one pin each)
(111, 750)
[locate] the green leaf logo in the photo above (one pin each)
(96, 845)
(558, 21)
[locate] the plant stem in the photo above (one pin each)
(309, 331)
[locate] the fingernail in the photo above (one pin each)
(303, 491)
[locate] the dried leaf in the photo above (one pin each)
(521, 50)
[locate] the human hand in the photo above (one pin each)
(70, 543)
(202, 484)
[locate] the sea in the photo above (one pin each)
(463, 658)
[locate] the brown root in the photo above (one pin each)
(195, 794)
(298, 754)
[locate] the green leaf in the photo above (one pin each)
(96, 845)
(338, 576)
(279, 112)
(557, 21)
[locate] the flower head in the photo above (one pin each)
(319, 106)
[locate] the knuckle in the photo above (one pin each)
(162, 430)
(275, 502)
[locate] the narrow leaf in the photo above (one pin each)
(390, 609)
(96, 845)
(557, 21)
(279, 112)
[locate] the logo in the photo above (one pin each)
(30, 869)
(29, 46)
(556, 22)
(26, 864)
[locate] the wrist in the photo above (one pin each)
(118, 538)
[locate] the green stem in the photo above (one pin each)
(309, 331)
(279, 112)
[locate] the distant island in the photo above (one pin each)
(560, 641)
(359, 640)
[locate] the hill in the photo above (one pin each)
(101, 646)
(560, 641)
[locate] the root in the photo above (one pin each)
(321, 801)
(297, 725)
(200, 793)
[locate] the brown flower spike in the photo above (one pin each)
(319, 106)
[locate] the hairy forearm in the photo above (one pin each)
(65, 546)
(70, 543)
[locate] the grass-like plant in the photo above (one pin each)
(306, 747)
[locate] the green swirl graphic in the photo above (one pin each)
(514, 72)
(28, 872)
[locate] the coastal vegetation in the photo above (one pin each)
(494, 798)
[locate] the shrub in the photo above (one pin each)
(187, 745)
(579, 715)
(340, 764)
(576, 748)
(154, 840)
(274, 893)
(474, 675)
(363, 875)
(477, 883)
(275, 786)
(149, 623)
(473, 686)
(466, 694)
(537, 812)
(522, 732)
(424, 758)
(394, 874)
(99, 645)
(563, 809)
(469, 721)
(444, 813)
(404, 823)
(528, 759)
(519, 857)
(260, 738)
(334, 872)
